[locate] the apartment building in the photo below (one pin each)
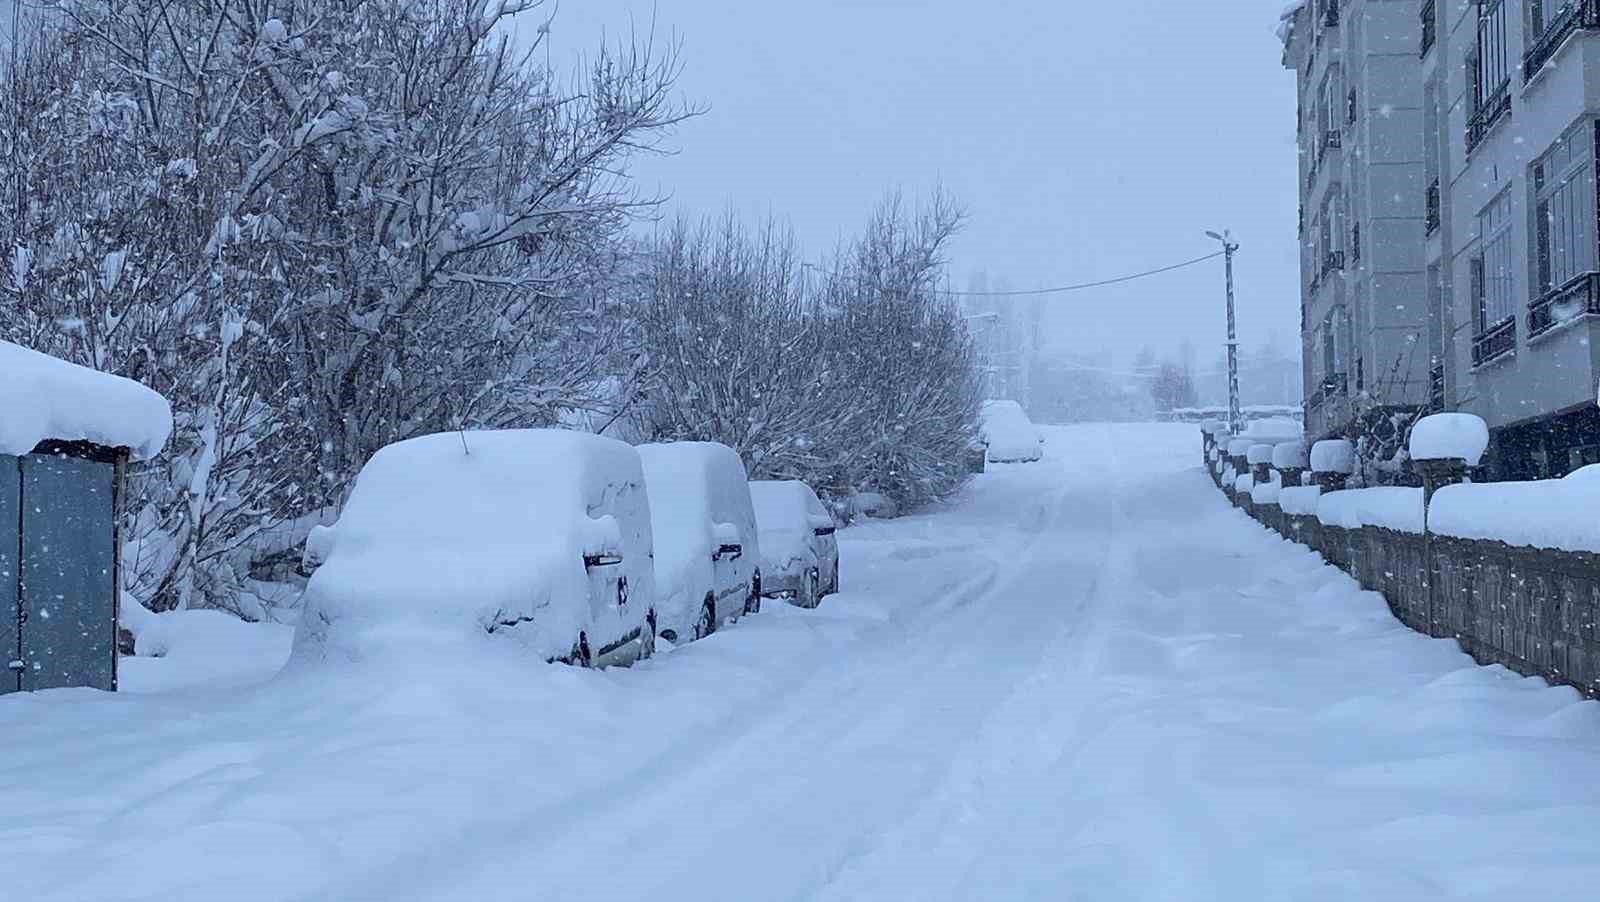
(1512, 98)
(1364, 317)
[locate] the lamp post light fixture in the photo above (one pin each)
(1235, 415)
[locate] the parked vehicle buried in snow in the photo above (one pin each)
(707, 552)
(800, 555)
(1009, 435)
(540, 538)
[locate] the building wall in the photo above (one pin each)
(1378, 169)
(1554, 371)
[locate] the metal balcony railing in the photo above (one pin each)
(1578, 297)
(1432, 209)
(1333, 260)
(1572, 16)
(1496, 104)
(1498, 340)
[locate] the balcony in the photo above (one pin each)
(1495, 105)
(1431, 214)
(1332, 139)
(1495, 342)
(1331, 261)
(1429, 26)
(1573, 16)
(1579, 297)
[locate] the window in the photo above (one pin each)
(1488, 73)
(1355, 243)
(1330, 233)
(1564, 212)
(1330, 96)
(1494, 74)
(1491, 267)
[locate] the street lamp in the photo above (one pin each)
(1235, 416)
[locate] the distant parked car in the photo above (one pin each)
(539, 538)
(1009, 435)
(708, 553)
(800, 555)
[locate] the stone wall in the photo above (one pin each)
(1533, 610)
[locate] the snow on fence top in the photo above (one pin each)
(1562, 514)
(1299, 500)
(1259, 454)
(1333, 456)
(1290, 455)
(1244, 482)
(1388, 507)
(1273, 430)
(1450, 436)
(43, 398)
(1239, 447)
(1267, 492)
(1212, 427)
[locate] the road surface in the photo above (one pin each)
(1087, 679)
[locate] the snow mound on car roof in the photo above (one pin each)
(1010, 435)
(787, 514)
(688, 482)
(448, 536)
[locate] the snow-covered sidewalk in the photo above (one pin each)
(1091, 679)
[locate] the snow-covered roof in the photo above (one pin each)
(43, 398)
(1450, 436)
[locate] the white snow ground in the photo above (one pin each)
(1089, 680)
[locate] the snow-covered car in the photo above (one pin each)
(1009, 435)
(799, 554)
(707, 551)
(537, 538)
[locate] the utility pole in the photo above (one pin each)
(1235, 415)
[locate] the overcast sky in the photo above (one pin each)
(1087, 140)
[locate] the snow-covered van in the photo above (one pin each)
(799, 554)
(535, 538)
(1009, 435)
(708, 556)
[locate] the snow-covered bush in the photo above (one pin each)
(868, 386)
(318, 229)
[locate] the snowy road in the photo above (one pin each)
(1088, 680)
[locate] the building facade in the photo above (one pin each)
(1364, 320)
(1514, 93)
(1478, 288)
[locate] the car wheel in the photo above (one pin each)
(752, 605)
(647, 636)
(707, 624)
(810, 587)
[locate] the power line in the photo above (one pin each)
(1080, 287)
